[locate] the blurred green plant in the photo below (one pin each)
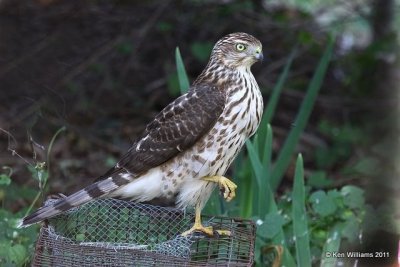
(16, 245)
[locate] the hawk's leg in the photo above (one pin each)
(224, 183)
(198, 226)
(229, 188)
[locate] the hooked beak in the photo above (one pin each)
(259, 55)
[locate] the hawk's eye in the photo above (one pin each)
(240, 47)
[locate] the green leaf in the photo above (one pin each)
(319, 179)
(353, 196)
(262, 189)
(182, 76)
(332, 244)
(5, 179)
(276, 92)
(322, 204)
(300, 225)
(273, 100)
(17, 254)
(271, 226)
(351, 229)
(255, 162)
(307, 105)
(267, 155)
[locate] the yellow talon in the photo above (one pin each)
(198, 227)
(229, 188)
(224, 183)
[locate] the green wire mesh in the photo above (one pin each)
(110, 232)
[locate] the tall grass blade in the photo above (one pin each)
(300, 225)
(182, 75)
(284, 156)
(255, 162)
(267, 153)
(273, 100)
(276, 92)
(332, 244)
(266, 201)
(245, 180)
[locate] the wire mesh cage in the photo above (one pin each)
(110, 232)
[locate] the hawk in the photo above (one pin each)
(185, 151)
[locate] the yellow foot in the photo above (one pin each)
(199, 228)
(225, 184)
(206, 230)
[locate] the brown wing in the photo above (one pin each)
(176, 128)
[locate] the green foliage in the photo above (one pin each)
(319, 179)
(182, 76)
(16, 245)
(323, 204)
(287, 150)
(299, 215)
(342, 139)
(5, 178)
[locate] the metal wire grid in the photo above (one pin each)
(111, 232)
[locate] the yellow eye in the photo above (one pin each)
(240, 47)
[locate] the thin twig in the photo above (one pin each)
(13, 151)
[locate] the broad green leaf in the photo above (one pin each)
(353, 196)
(322, 203)
(5, 179)
(271, 226)
(182, 76)
(300, 225)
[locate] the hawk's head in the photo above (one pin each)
(237, 50)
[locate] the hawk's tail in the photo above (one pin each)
(96, 190)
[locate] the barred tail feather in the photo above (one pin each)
(97, 190)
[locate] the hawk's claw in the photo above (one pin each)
(199, 228)
(225, 184)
